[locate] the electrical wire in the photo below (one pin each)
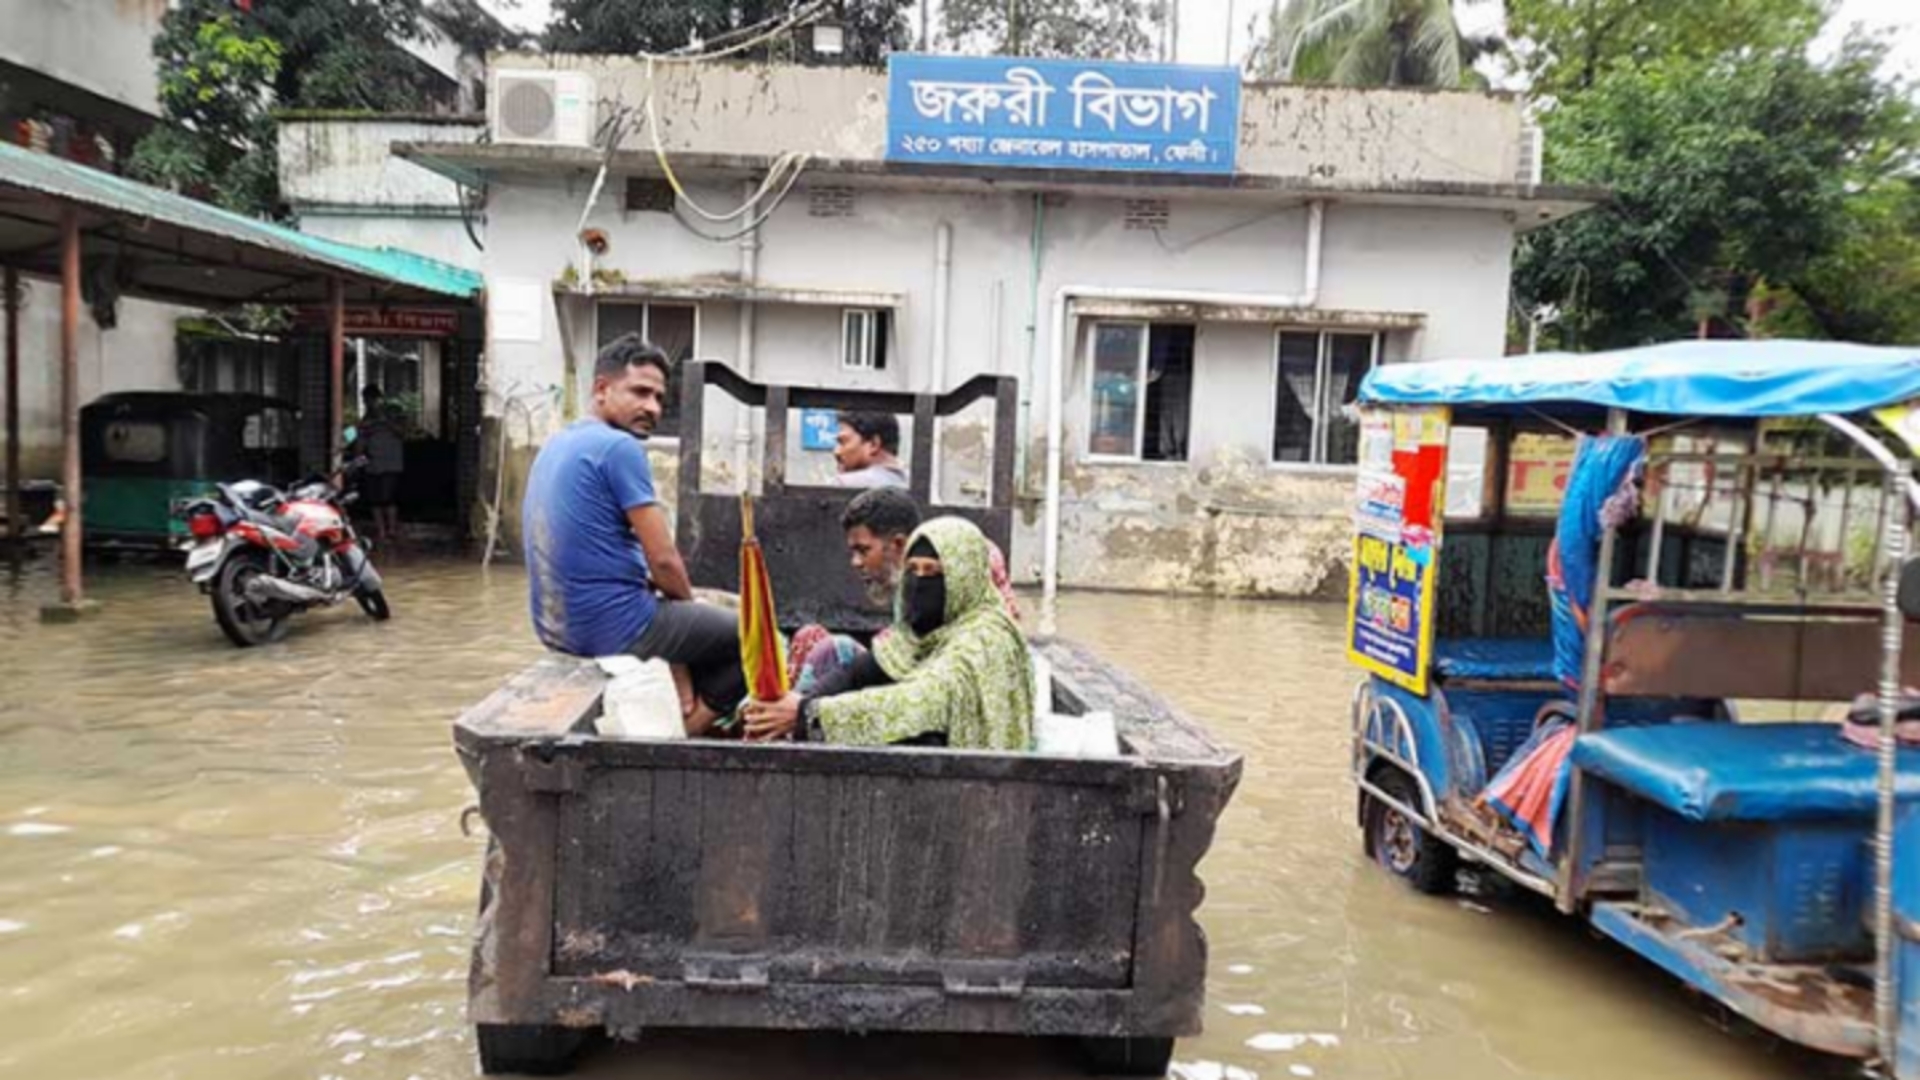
(745, 229)
(775, 175)
(783, 174)
(802, 14)
(1159, 232)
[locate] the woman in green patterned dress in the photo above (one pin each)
(954, 671)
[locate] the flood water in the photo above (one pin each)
(218, 863)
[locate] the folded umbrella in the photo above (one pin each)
(762, 654)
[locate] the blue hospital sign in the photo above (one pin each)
(818, 428)
(1062, 114)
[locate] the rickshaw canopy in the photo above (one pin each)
(1732, 379)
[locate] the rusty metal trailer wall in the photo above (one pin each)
(799, 527)
(637, 883)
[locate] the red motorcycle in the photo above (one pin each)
(262, 556)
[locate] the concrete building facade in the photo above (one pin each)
(78, 79)
(1206, 331)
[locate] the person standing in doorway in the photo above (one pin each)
(383, 440)
(866, 449)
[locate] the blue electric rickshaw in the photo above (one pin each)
(1635, 632)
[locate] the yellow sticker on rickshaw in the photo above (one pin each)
(1903, 420)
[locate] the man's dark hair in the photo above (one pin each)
(875, 425)
(630, 351)
(884, 511)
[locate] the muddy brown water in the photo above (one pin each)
(220, 864)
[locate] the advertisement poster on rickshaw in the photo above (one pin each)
(1538, 466)
(1396, 517)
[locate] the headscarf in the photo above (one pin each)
(971, 678)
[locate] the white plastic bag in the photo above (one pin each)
(1091, 736)
(1042, 685)
(640, 700)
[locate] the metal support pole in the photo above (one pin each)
(1591, 703)
(1893, 552)
(15, 526)
(1890, 552)
(71, 586)
(336, 367)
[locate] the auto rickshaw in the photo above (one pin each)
(1635, 629)
(142, 450)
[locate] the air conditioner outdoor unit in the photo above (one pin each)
(542, 108)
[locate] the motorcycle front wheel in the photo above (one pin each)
(245, 622)
(374, 603)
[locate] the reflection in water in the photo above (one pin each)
(218, 863)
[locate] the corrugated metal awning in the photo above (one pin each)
(156, 245)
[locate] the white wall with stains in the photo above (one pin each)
(1225, 521)
(102, 46)
(1355, 137)
(1431, 271)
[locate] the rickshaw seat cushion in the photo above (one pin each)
(1495, 659)
(1744, 772)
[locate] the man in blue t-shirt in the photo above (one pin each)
(604, 575)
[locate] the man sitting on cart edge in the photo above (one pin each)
(603, 574)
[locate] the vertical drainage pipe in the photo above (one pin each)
(1025, 435)
(942, 315)
(743, 416)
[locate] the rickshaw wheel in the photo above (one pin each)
(244, 622)
(1405, 849)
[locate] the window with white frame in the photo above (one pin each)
(863, 338)
(675, 328)
(1141, 391)
(1317, 374)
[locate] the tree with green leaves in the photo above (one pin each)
(1565, 46)
(223, 71)
(873, 28)
(1862, 289)
(1369, 43)
(1110, 29)
(1726, 173)
(217, 145)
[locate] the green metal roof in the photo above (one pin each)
(178, 248)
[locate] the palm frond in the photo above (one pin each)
(1332, 20)
(1367, 59)
(1435, 50)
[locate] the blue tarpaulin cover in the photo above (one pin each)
(1602, 466)
(1529, 659)
(1689, 378)
(1744, 772)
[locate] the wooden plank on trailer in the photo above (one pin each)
(773, 470)
(923, 425)
(558, 695)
